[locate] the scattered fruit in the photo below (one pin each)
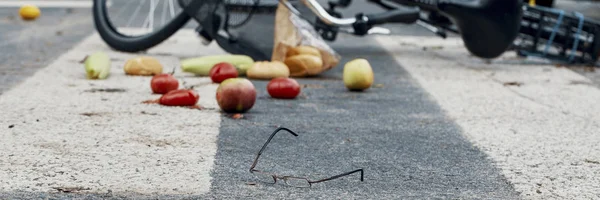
(283, 88)
(358, 75)
(236, 95)
(243, 68)
(183, 97)
(29, 12)
(164, 83)
(222, 71)
(202, 65)
(304, 65)
(143, 66)
(308, 50)
(97, 65)
(268, 70)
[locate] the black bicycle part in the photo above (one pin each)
(380, 3)
(126, 43)
(239, 12)
(339, 3)
(439, 19)
(545, 33)
(213, 16)
(487, 27)
(398, 15)
(235, 18)
(545, 3)
(326, 31)
(442, 25)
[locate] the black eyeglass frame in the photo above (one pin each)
(285, 178)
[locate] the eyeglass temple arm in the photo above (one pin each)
(341, 175)
(268, 141)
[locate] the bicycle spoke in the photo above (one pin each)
(172, 8)
(137, 10)
(123, 9)
(141, 17)
(164, 13)
(152, 9)
(149, 23)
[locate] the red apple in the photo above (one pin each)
(222, 71)
(163, 83)
(236, 95)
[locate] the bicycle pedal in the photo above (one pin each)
(204, 37)
(328, 32)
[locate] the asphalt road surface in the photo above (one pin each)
(437, 124)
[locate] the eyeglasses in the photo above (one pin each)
(300, 182)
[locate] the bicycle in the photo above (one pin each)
(487, 27)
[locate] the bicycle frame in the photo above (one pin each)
(321, 13)
(478, 21)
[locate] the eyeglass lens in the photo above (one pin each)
(264, 177)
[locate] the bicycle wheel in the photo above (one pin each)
(129, 25)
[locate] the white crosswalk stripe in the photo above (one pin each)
(63, 136)
(538, 123)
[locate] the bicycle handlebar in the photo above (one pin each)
(318, 10)
(487, 27)
(399, 15)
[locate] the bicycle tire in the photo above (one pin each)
(125, 43)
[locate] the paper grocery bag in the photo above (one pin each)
(292, 31)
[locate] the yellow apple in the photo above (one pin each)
(358, 75)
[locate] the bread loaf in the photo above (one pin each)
(268, 70)
(303, 50)
(143, 66)
(304, 65)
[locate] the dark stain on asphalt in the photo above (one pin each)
(11, 126)
(160, 54)
(148, 113)
(513, 83)
(91, 114)
(70, 189)
(109, 90)
(579, 83)
(592, 161)
(313, 86)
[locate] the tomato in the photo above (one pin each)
(283, 88)
(183, 97)
(163, 83)
(223, 71)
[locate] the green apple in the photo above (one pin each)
(97, 65)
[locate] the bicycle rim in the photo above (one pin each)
(140, 17)
(134, 25)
